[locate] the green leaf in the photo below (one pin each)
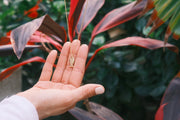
(158, 91)
(125, 95)
(143, 90)
(146, 30)
(59, 5)
(99, 40)
(111, 81)
(174, 23)
(166, 8)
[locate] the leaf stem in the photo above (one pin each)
(86, 102)
(67, 22)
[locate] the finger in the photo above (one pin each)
(72, 53)
(48, 66)
(87, 91)
(79, 66)
(53, 85)
(57, 76)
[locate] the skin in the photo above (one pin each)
(56, 93)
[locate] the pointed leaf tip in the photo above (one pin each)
(117, 17)
(137, 41)
(81, 114)
(22, 34)
(160, 113)
(104, 112)
(89, 11)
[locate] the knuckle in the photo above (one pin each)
(68, 68)
(86, 93)
(76, 69)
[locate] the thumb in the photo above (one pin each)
(88, 90)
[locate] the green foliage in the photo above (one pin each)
(169, 9)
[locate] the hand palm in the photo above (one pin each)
(57, 93)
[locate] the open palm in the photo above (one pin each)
(57, 93)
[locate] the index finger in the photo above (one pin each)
(79, 66)
(48, 66)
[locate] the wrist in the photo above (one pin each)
(31, 96)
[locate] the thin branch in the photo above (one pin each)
(86, 102)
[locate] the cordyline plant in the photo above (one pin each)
(45, 31)
(163, 11)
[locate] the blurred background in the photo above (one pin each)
(135, 78)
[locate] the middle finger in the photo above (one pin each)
(71, 59)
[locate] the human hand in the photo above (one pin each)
(54, 95)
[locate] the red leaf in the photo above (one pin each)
(81, 114)
(176, 37)
(74, 14)
(5, 40)
(7, 72)
(118, 16)
(8, 33)
(171, 98)
(104, 112)
(155, 20)
(159, 114)
(21, 35)
(152, 18)
(89, 11)
(137, 41)
(32, 13)
(158, 22)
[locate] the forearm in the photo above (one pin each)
(17, 108)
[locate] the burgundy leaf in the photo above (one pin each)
(8, 50)
(21, 35)
(170, 104)
(118, 16)
(74, 14)
(137, 41)
(51, 28)
(7, 72)
(81, 114)
(104, 112)
(89, 11)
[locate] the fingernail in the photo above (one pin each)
(99, 90)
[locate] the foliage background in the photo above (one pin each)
(135, 78)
